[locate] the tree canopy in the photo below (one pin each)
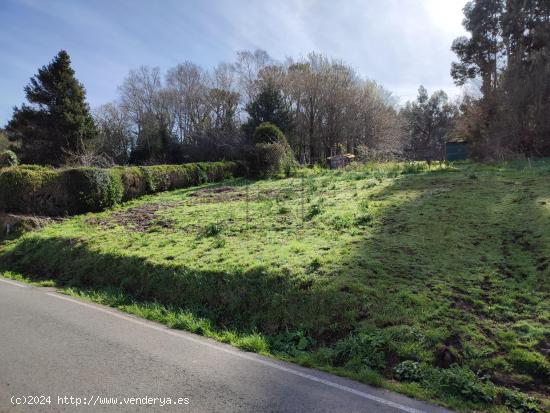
(57, 120)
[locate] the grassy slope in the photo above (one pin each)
(448, 266)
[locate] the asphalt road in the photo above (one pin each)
(56, 346)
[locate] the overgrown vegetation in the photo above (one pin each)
(8, 158)
(46, 191)
(429, 280)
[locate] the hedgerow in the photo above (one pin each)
(46, 191)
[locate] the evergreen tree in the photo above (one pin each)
(269, 106)
(480, 53)
(57, 120)
(427, 122)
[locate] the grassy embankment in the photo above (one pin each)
(429, 281)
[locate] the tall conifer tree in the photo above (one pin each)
(57, 119)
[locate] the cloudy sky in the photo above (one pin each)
(399, 43)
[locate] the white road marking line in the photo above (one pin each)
(244, 356)
(13, 283)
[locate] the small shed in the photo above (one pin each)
(456, 150)
(340, 161)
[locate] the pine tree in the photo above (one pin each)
(269, 106)
(57, 119)
(480, 53)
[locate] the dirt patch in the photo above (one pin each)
(15, 224)
(232, 193)
(141, 218)
(217, 194)
(461, 304)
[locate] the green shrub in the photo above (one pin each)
(268, 159)
(133, 180)
(8, 158)
(46, 191)
(314, 210)
(212, 230)
(270, 154)
(365, 349)
(90, 189)
(518, 402)
(254, 343)
(408, 370)
(460, 382)
(28, 189)
(268, 133)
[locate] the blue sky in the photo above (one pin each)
(399, 43)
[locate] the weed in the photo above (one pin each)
(212, 229)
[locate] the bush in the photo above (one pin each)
(270, 154)
(269, 159)
(254, 343)
(28, 189)
(408, 370)
(365, 349)
(46, 191)
(8, 158)
(90, 189)
(518, 402)
(268, 133)
(460, 382)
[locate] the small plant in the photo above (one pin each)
(315, 264)
(461, 382)
(212, 229)
(254, 343)
(518, 402)
(283, 210)
(219, 243)
(408, 370)
(340, 222)
(313, 211)
(365, 349)
(370, 376)
(364, 205)
(363, 219)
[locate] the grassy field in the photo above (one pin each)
(429, 280)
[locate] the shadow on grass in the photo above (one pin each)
(458, 270)
(257, 299)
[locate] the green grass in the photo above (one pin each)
(428, 280)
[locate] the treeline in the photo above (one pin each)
(321, 105)
(508, 52)
(313, 107)
(191, 114)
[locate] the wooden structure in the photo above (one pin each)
(340, 161)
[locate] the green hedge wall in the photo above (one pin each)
(37, 190)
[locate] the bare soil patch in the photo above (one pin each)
(138, 219)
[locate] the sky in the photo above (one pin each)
(401, 44)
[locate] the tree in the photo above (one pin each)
(479, 55)
(509, 49)
(114, 137)
(148, 106)
(268, 106)
(58, 119)
(428, 121)
(4, 142)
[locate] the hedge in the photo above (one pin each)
(44, 191)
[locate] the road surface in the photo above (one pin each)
(63, 354)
